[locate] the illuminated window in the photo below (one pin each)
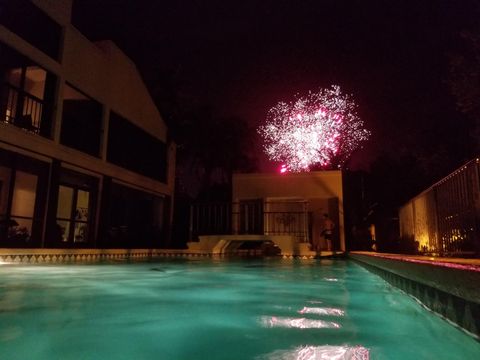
(4, 189)
(75, 210)
(23, 206)
(23, 188)
(73, 214)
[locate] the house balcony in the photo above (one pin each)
(22, 110)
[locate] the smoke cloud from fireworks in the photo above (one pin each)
(320, 129)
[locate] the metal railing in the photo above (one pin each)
(255, 217)
(210, 219)
(445, 219)
(21, 109)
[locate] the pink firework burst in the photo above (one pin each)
(321, 128)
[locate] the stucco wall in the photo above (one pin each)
(315, 184)
(60, 11)
(112, 79)
(102, 71)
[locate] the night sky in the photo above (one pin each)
(242, 57)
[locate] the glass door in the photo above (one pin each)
(5, 174)
(73, 214)
(23, 207)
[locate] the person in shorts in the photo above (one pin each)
(327, 231)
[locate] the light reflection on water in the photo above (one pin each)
(325, 352)
(322, 311)
(299, 323)
(215, 310)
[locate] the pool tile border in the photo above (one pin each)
(39, 256)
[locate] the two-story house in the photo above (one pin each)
(85, 157)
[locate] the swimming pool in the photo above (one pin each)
(216, 309)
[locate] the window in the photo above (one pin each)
(19, 208)
(5, 174)
(32, 24)
(26, 93)
(135, 218)
(136, 150)
(81, 122)
(73, 218)
(73, 214)
(23, 207)
(23, 190)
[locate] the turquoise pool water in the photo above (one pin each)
(207, 309)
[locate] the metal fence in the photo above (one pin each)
(445, 218)
(251, 217)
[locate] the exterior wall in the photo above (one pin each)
(60, 11)
(109, 72)
(100, 71)
(321, 189)
(406, 221)
(425, 225)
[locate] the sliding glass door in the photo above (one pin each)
(73, 214)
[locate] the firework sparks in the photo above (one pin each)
(322, 128)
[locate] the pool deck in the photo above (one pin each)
(459, 263)
(447, 286)
(459, 277)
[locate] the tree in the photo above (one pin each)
(209, 147)
(464, 80)
(212, 148)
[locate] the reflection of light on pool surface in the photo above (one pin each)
(325, 352)
(298, 323)
(322, 311)
(330, 279)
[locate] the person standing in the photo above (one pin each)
(327, 231)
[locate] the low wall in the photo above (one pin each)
(449, 288)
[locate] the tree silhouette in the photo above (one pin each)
(464, 80)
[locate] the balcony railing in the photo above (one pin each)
(251, 218)
(21, 109)
(210, 219)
